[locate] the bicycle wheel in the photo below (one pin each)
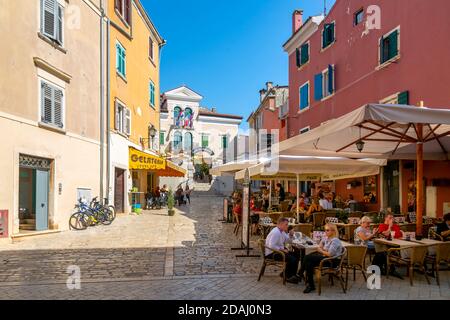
(103, 216)
(112, 213)
(78, 221)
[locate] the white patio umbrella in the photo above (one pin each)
(232, 167)
(384, 131)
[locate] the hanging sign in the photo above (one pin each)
(145, 161)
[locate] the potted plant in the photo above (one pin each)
(170, 203)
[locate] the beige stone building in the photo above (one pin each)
(50, 112)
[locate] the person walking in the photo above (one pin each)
(187, 193)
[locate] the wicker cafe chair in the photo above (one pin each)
(409, 227)
(305, 228)
(289, 214)
(325, 269)
(417, 258)
(284, 205)
(318, 220)
(442, 255)
(356, 259)
(436, 236)
(271, 262)
(356, 214)
(238, 224)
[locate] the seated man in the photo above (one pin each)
(443, 229)
(276, 240)
(389, 226)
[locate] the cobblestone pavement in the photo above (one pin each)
(153, 256)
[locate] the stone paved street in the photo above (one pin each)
(153, 256)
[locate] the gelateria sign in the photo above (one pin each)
(145, 161)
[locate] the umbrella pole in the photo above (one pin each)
(420, 186)
(270, 195)
(298, 200)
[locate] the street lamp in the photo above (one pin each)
(151, 135)
(360, 144)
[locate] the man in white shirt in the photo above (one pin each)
(324, 203)
(276, 240)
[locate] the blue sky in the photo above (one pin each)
(226, 50)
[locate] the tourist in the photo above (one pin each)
(443, 229)
(277, 239)
(350, 200)
(306, 198)
(254, 218)
(281, 192)
(187, 192)
(363, 235)
(324, 203)
(301, 205)
(388, 227)
(179, 194)
(314, 207)
(237, 209)
(330, 246)
(265, 198)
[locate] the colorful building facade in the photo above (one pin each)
(134, 100)
(50, 112)
(373, 52)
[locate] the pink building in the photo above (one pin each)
(372, 51)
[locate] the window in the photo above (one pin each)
(398, 98)
(358, 17)
(152, 93)
(187, 142)
(177, 141)
(123, 7)
(176, 116)
(52, 105)
(324, 83)
(224, 142)
(328, 34)
(389, 46)
(302, 54)
(304, 96)
(205, 141)
(52, 20)
(304, 130)
(162, 138)
(122, 119)
(121, 60)
(150, 48)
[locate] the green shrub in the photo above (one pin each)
(170, 200)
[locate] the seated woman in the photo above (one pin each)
(314, 207)
(301, 205)
(363, 235)
(265, 198)
(330, 246)
(237, 210)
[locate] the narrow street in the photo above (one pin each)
(154, 256)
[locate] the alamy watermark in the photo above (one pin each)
(374, 278)
(74, 279)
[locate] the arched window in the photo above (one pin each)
(177, 141)
(188, 118)
(177, 116)
(188, 142)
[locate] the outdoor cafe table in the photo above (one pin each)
(266, 228)
(307, 249)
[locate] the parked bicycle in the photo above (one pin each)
(91, 214)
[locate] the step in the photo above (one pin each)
(27, 226)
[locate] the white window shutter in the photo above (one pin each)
(116, 116)
(58, 108)
(49, 18)
(47, 102)
(60, 24)
(128, 121)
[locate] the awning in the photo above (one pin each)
(383, 128)
(172, 170)
(232, 167)
(310, 168)
(140, 160)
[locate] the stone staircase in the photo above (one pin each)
(203, 189)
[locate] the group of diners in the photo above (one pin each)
(281, 238)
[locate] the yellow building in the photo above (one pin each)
(134, 51)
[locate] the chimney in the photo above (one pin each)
(213, 109)
(262, 94)
(269, 85)
(297, 20)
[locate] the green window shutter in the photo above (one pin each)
(297, 57)
(324, 37)
(204, 141)
(393, 44)
(224, 142)
(382, 57)
(304, 53)
(331, 33)
(403, 98)
(161, 138)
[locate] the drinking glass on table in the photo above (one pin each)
(392, 235)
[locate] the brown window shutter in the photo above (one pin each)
(127, 13)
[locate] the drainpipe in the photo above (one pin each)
(102, 92)
(108, 111)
